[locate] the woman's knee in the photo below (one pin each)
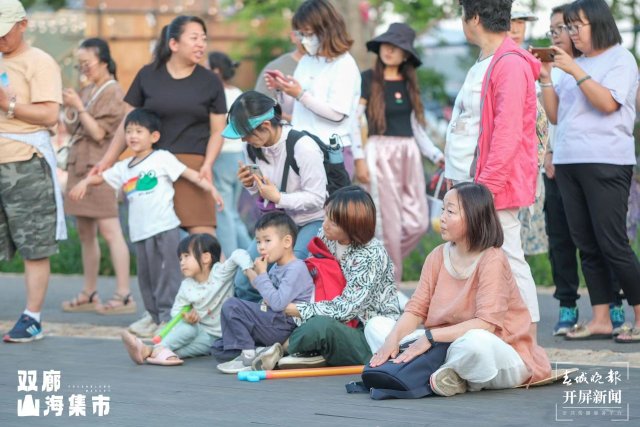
(311, 334)
(474, 342)
(110, 229)
(87, 230)
(319, 324)
(230, 307)
(377, 328)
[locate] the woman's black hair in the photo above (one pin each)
(252, 104)
(198, 244)
(174, 30)
(483, 225)
(222, 62)
(495, 15)
(101, 48)
(604, 31)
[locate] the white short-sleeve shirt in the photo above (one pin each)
(335, 81)
(148, 186)
(584, 134)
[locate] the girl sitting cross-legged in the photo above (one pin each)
(207, 285)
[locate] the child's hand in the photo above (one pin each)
(260, 265)
(191, 316)
(79, 191)
(205, 173)
(206, 185)
(268, 190)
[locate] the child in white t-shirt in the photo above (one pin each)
(147, 180)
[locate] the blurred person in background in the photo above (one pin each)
(326, 83)
(393, 170)
(231, 231)
(92, 117)
(593, 105)
(286, 64)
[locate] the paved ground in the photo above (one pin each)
(196, 393)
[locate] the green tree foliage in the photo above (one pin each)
(55, 4)
(420, 14)
(266, 23)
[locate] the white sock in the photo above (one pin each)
(32, 314)
(249, 353)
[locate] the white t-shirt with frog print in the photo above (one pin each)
(148, 186)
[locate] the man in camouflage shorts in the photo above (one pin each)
(31, 214)
(28, 210)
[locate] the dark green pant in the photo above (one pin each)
(339, 344)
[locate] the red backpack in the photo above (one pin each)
(326, 273)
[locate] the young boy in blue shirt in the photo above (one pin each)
(246, 324)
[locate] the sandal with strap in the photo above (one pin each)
(118, 304)
(629, 336)
(77, 306)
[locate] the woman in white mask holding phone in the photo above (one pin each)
(326, 83)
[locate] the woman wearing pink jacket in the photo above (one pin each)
(492, 135)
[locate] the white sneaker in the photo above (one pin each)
(143, 327)
(267, 358)
(239, 364)
(302, 360)
(446, 382)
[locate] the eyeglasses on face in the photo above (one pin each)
(574, 29)
(555, 32)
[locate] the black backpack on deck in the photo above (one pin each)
(408, 380)
(337, 176)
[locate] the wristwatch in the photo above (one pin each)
(427, 333)
(12, 107)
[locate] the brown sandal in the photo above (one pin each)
(117, 304)
(75, 306)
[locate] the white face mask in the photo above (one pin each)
(311, 44)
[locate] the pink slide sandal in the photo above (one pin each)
(166, 357)
(135, 347)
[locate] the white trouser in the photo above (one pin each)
(520, 269)
(377, 329)
(479, 357)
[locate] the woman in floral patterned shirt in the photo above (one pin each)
(348, 231)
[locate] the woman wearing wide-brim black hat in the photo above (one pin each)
(392, 169)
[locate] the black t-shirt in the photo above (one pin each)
(398, 106)
(183, 105)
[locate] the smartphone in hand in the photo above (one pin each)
(545, 54)
(275, 74)
(255, 170)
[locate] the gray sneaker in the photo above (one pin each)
(143, 327)
(239, 364)
(267, 358)
(446, 382)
